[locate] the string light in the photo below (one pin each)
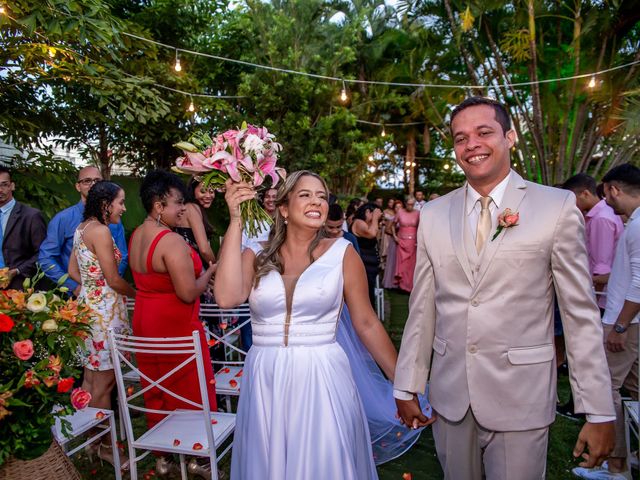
(592, 82)
(192, 107)
(383, 134)
(2, 10)
(446, 166)
(177, 67)
(343, 94)
(371, 158)
(374, 82)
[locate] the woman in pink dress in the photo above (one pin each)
(389, 279)
(404, 232)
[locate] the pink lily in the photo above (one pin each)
(265, 167)
(192, 162)
(229, 165)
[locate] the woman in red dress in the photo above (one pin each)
(170, 278)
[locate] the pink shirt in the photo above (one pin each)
(603, 229)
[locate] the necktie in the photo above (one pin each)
(2, 265)
(484, 223)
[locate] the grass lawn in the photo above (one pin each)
(421, 460)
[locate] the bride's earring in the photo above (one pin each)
(286, 221)
(158, 219)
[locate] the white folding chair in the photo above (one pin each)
(379, 296)
(197, 432)
(228, 372)
(83, 421)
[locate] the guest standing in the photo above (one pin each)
(194, 226)
(94, 266)
(22, 230)
(405, 234)
(56, 249)
(389, 278)
(365, 227)
(170, 279)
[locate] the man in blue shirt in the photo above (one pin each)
(56, 248)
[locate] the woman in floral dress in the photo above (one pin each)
(94, 265)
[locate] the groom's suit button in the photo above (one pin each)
(473, 349)
(475, 303)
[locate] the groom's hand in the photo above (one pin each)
(411, 414)
(599, 439)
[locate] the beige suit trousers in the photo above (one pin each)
(466, 450)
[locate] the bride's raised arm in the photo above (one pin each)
(234, 276)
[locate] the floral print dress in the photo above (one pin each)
(108, 309)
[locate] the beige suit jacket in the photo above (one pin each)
(491, 336)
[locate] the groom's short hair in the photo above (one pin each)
(501, 113)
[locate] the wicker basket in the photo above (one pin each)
(53, 464)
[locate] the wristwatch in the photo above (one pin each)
(619, 328)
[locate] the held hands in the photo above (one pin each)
(598, 439)
(411, 414)
(235, 194)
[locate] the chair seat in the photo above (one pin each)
(228, 380)
(182, 429)
(81, 421)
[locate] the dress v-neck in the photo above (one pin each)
(289, 299)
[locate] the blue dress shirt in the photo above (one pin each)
(57, 247)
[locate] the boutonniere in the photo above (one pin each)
(506, 219)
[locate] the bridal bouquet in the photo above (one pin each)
(42, 348)
(246, 155)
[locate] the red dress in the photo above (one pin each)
(407, 228)
(159, 312)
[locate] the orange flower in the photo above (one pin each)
(130, 391)
(100, 415)
(65, 384)
(176, 442)
(212, 381)
(55, 363)
(197, 446)
(233, 383)
(225, 370)
(407, 476)
(18, 298)
(212, 342)
(51, 380)
(30, 379)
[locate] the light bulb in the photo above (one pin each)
(592, 82)
(446, 166)
(371, 158)
(177, 66)
(383, 134)
(192, 107)
(343, 96)
(2, 10)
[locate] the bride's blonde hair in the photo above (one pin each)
(269, 258)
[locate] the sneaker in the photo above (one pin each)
(566, 411)
(599, 473)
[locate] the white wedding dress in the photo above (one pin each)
(300, 416)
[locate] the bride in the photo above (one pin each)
(299, 416)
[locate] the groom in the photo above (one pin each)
(482, 305)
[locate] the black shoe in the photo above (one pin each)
(566, 411)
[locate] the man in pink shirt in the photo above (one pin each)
(602, 230)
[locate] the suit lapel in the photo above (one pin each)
(513, 195)
(13, 218)
(456, 224)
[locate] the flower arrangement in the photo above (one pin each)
(42, 348)
(245, 155)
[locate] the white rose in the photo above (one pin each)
(49, 325)
(37, 302)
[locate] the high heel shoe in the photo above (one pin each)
(202, 468)
(105, 452)
(165, 467)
